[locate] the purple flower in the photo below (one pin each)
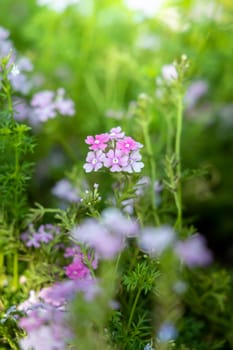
(94, 161)
(116, 133)
(116, 222)
(4, 33)
(115, 160)
(134, 164)
(155, 240)
(195, 91)
(193, 251)
(21, 109)
(65, 190)
(47, 105)
(105, 244)
(118, 152)
(33, 242)
(77, 270)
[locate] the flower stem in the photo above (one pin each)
(148, 145)
(133, 308)
(178, 193)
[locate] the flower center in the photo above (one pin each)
(127, 145)
(94, 161)
(97, 142)
(115, 160)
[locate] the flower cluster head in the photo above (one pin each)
(44, 234)
(115, 151)
(47, 105)
(78, 268)
(106, 236)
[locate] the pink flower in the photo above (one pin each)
(134, 164)
(127, 144)
(94, 161)
(97, 142)
(115, 160)
(116, 133)
(77, 270)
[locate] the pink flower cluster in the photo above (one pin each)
(114, 151)
(77, 269)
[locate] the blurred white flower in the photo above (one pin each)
(15, 70)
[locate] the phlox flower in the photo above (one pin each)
(117, 151)
(77, 270)
(97, 142)
(134, 163)
(127, 144)
(116, 133)
(94, 161)
(116, 160)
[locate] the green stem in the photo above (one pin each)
(15, 271)
(133, 308)
(178, 193)
(149, 150)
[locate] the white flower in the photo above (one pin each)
(15, 70)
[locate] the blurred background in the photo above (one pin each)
(105, 53)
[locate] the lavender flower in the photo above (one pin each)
(65, 190)
(95, 235)
(47, 105)
(94, 161)
(155, 240)
(116, 222)
(195, 91)
(44, 234)
(193, 251)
